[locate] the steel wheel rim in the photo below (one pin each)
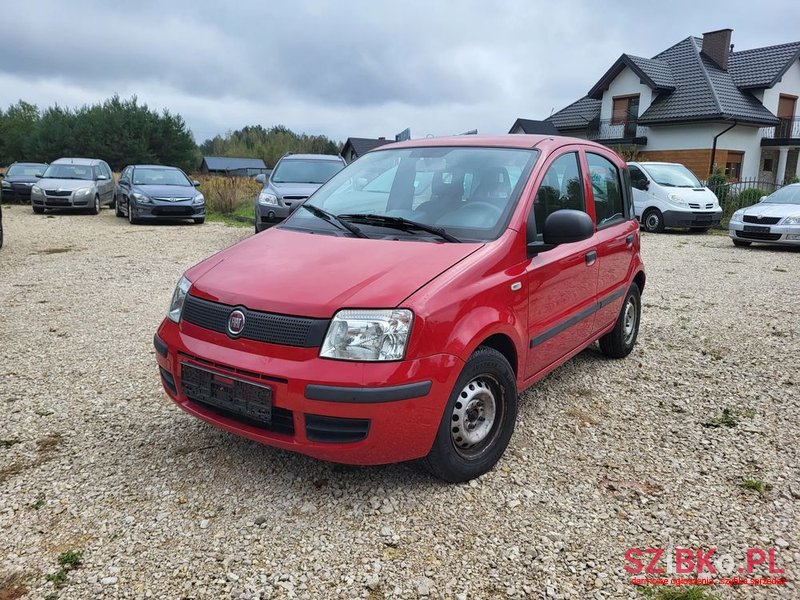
(130, 213)
(477, 414)
(652, 221)
(629, 320)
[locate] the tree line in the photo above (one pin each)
(124, 132)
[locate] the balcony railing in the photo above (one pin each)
(606, 129)
(788, 128)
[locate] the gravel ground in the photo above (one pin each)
(607, 455)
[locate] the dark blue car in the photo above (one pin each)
(155, 192)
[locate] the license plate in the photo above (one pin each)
(703, 218)
(240, 397)
(756, 228)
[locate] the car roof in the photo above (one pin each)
(76, 161)
(331, 157)
(27, 164)
(654, 162)
(153, 167)
(545, 143)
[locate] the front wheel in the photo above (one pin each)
(117, 210)
(38, 209)
(478, 420)
(199, 220)
(619, 342)
(653, 220)
(94, 209)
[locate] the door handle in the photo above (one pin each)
(629, 240)
(590, 257)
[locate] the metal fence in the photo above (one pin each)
(734, 195)
(788, 128)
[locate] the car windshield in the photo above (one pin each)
(672, 176)
(65, 171)
(145, 176)
(786, 195)
(468, 193)
(25, 170)
(297, 170)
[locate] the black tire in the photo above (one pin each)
(94, 209)
(700, 229)
(488, 376)
(117, 211)
(39, 210)
(619, 342)
(653, 220)
(1, 227)
(741, 244)
(199, 220)
(131, 219)
(113, 202)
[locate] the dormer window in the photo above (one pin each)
(625, 109)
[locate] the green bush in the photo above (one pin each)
(750, 196)
(791, 180)
(718, 183)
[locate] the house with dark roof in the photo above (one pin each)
(231, 165)
(355, 147)
(535, 127)
(701, 104)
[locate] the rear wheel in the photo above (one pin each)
(94, 208)
(38, 210)
(619, 342)
(741, 244)
(653, 220)
(478, 420)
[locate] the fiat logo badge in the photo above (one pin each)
(236, 323)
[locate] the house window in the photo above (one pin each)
(733, 167)
(768, 165)
(625, 109)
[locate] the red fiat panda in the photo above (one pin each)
(402, 309)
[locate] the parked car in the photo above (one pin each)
(84, 183)
(774, 220)
(669, 195)
(402, 309)
(154, 192)
(1, 226)
(294, 178)
(18, 180)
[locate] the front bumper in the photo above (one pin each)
(168, 211)
(316, 403)
(16, 193)
(68, 201)
(269, 215)
(693, 219)
(765, 234)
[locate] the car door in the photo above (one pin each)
(562, 282)
(108, 184)
(617, 235)
(124, 187)
(641, 197)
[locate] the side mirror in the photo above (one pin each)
(360, 183)
(38, 175)
(101, 178)
(762, 198)
(641, 184)
(564, 226)
(195, 183)
(261, 178)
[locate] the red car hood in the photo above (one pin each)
(315, 275)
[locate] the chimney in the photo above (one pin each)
(716, 46)
(382, 138)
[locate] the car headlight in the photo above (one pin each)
(141, 198)
(83, 192)
(792, 221)
(199, 199)
(368, 335)
(5, 184)
(267, 199)
(676, 198)
(737, 216)
(178, 298)
(36, 189)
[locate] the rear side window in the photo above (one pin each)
(561, 187)
(609, 203)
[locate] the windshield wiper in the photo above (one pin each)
(333, 219)
(400, 223)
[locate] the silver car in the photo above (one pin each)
(85, 183)
(774, 220)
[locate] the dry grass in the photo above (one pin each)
(224, 194)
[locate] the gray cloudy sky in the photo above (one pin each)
(350, 68)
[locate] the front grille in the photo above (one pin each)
(271, 328)
(761, 220)
(58, 193)
(172, 211)
(335, 429)
(57, 202)
(710, 205)
(691, 205)
(171, 199)
(754, 235)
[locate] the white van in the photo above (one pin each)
(669, 195)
